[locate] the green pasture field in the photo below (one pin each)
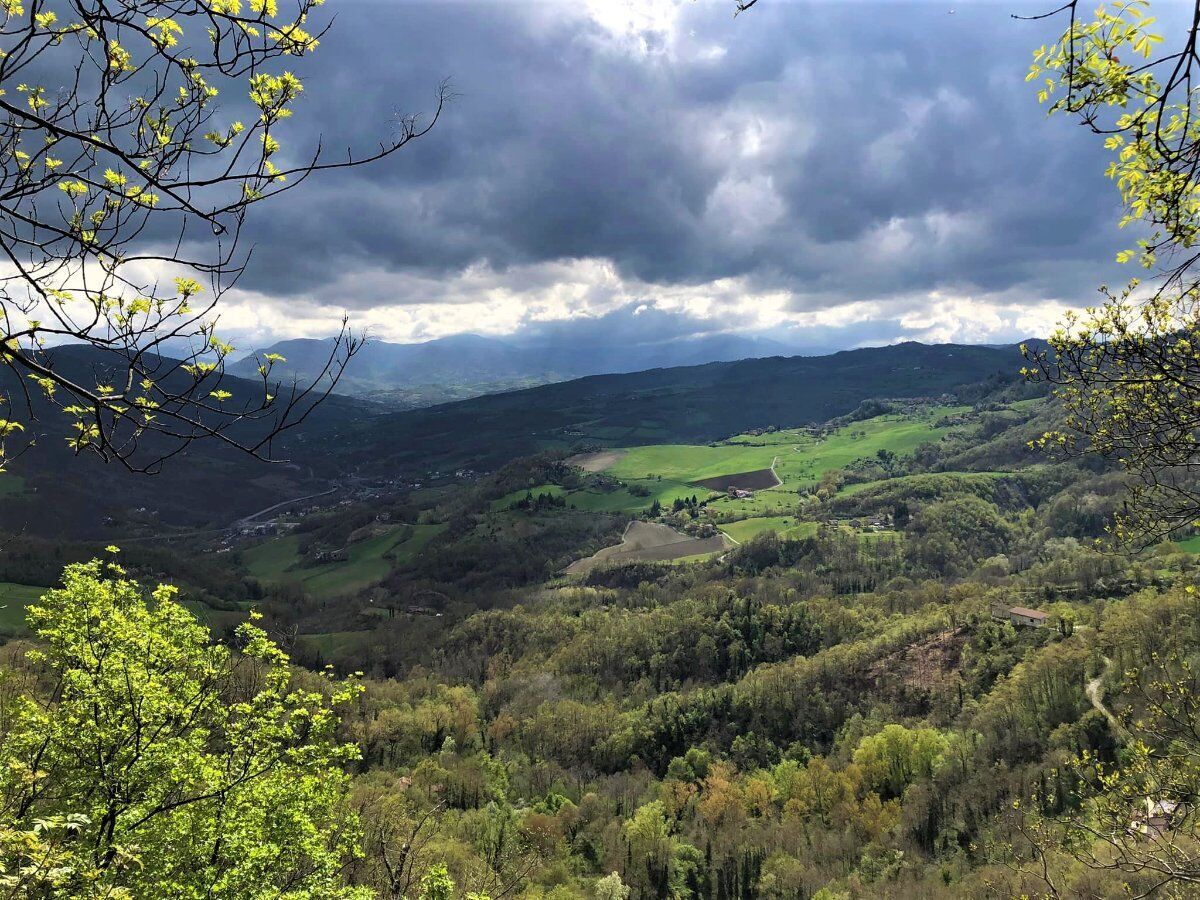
(669, 471)
(688, 462)
(781, 501)
(13, 600)
(877, 536)
(784, 526)
(698, 558)
(336, 643)
(803, 462)
(665, 491)
(269, 561)
(1188, 545)
(899, 434)
(798, 457)
(370, 561)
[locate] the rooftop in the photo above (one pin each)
(1029, 613)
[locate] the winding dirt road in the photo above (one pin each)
(1095, 694)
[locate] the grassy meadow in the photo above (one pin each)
(786, 526)
(502, 503)
(799, 458)
(278, 561)
(13, 600)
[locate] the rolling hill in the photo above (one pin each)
(209, 485)
(344, 439)
(691, 404)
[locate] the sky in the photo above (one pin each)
(829, 175)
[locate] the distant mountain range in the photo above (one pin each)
(467, 365)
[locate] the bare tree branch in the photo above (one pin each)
(123, 194)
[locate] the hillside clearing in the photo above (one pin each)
(505, 502)
(369, 561)
(626, 500)
(596, 462)
(13, 600)
(648, 541)
(1191, 544)
(785, 526)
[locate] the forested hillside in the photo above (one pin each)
(839, 702)
(849, 713)
(680, 405)
(353, 444)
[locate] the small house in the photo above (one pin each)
(1156, 817)
(1032, 618)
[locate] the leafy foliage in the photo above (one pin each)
(141, 760)
(1128, 370)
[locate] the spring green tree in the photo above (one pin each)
(436, 884)
(896, 756)
(139, 759)
(611, 887)
(1127, 370)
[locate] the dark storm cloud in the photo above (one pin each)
(843, 152)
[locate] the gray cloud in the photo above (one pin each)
(839, 152)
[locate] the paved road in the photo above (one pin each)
(245, 520)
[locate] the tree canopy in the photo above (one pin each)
(1128, 369)
(139, 759)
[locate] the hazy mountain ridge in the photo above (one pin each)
(465, 365)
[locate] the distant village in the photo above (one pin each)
(286, 516)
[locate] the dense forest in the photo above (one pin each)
(819, 717)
